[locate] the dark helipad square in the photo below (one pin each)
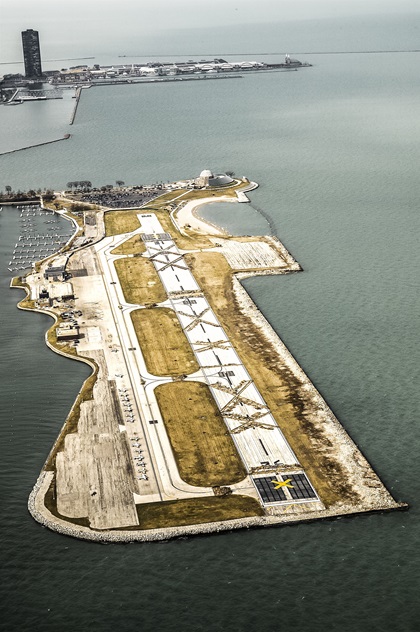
(301, 487)
(266, 490)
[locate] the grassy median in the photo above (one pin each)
(164, 345)
(204, 451)
(139, 281)
(133, 246)
(118, 222)
(179, 513)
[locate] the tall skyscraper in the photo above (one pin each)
(31, 53)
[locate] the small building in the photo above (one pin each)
(56, 273)
(67, 332)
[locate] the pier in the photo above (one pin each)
(76, 105)
(48, 142)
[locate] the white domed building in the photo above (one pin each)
(209, 179)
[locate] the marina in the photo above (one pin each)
(41, 235)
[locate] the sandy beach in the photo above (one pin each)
(188, 216)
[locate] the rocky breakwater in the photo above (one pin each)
(42, 515)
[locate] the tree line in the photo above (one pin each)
(86, 185)
(31, 194)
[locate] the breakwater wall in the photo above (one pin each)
(76, 105)
(158, 79)
(41, 514)
(267, 218)
(242, 197)
(48, 142)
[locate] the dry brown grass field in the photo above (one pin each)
(204, 451)
(164, 345)
(133, 246)
(178, 513)
(118, 222)
(139, 281)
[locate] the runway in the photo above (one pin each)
(258, 439)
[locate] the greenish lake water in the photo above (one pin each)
(335, 149)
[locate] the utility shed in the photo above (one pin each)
(56, 273)
(67, 332)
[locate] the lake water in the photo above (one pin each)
(335, 149)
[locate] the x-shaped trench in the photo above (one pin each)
(197, 320)
(206, 346)
(168, 264)
(249, 423)
(237, 398)
(163, 251)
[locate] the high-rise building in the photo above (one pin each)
(31, 53)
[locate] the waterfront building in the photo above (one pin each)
(209, 179)
(31, 53)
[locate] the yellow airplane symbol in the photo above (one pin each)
(286, 483)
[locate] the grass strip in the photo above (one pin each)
(204, 451)
(139, 281)
(118, 222)
(188, 511)
(164, 345)
(132, 246)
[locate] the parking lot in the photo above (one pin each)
(126, 198)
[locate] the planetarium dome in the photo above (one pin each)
(220, 180)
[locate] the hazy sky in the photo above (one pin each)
(187, 13)
(116, 18)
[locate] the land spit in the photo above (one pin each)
(89, 487)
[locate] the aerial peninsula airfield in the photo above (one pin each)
(196, 418)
